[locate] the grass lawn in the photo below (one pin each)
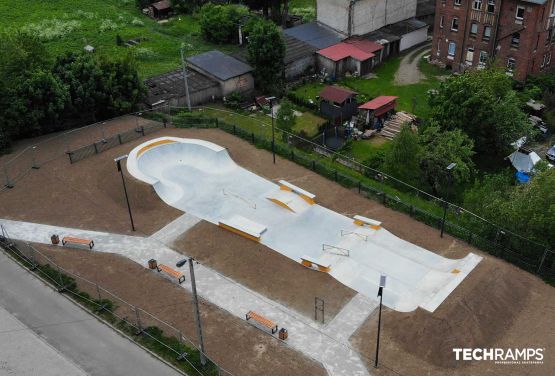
(384, 84)
(66, 25)
(309, 123)
(363, 149)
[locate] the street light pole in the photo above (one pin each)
(271, 100)
(118, 163)
(380, 294)
(445, 204)
(185, 80)
(197, 312)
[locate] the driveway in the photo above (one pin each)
(42, 332)
(408, 72)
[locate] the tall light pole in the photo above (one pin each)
(445, 204)
(271, 100)
(118, 163)
(186, 82)
(380, 294)
(197, 312)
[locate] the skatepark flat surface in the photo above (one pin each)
(200, 178)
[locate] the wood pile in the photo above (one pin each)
(392, 127)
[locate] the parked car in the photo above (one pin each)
(550, 155)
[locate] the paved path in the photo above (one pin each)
(306, 336)
(52, 336)
(408, 72)
(351, 316)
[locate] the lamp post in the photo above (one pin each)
(186, 82)
(380, 294)
(445, 204)
(118, 163)
(271, 100)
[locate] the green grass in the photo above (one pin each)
(363, 149)
(98, 22)
(309, 123)
(383, 84)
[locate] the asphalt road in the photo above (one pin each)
(66, 338)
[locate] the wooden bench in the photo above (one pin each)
(72, 240)
(262, 321)
(174, 273)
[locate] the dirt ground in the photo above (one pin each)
(234, 344)
(498, 306)
(264, 270)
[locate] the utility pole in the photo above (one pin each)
(380, 294)
(197, 312)
(183, 64)
(271, 100)
(445, 203)
(118, 163)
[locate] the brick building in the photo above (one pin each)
(517, 35)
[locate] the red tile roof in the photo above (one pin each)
(336, 94)
(365, 45)
(378, 102)
(342, 50)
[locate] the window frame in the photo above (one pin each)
(486, 28)
(492, 4)
(441, 21)
(454, 44)
(520, 7)
(480, 62)
(453, 20)
(513, 44)
(457, 3)
(511, 61)
(477, 3)
(472, 25)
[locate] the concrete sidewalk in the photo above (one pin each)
(52, 336)
(306, 336)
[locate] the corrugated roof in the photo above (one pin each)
(404, 27)
(171, 84)
(314, 34)
(336, 94)
(342, 50)
(378, 102)
(365, 45)
(296, 49)
(220, 65)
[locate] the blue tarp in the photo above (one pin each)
(522, 177)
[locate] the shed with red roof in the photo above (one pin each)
(356, 55)
(378, 108)
(338, 104)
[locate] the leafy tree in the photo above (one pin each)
(285, 118)
(439, 149)
(266, 50)
(219, 23)
(403, 159)
(483, 105)
(40, 100)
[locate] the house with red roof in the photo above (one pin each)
(356, 56)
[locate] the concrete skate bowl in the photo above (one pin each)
(200, 178)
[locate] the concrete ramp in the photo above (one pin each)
(200, 178)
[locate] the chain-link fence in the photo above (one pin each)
(391, 192)
(145, 328)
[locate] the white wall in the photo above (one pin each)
(414, 38)
(368, 15)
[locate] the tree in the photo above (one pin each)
(266, 50)
(482, 104)
(285, 118)
(439, 149)
(403, 159)
(219, 23)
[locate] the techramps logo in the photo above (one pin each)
(501, 356)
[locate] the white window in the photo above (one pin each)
(548, 61)
(441, 21)
(511, 64)
(470, 55)
(455, 24)
(457, 2)
(477, 4)
(543, 61)
(474, 29)
(515, 40)
(452, 48)
(487, 32)
(491, 6)
(483, 59)
(519, 13)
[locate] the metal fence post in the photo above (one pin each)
(35, 165)
(138, 318)
(542, 261)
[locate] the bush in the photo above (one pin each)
(218, 23)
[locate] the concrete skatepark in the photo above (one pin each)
(200, 178)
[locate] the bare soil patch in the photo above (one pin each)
(497, 306)
(237, 346)
(264, 270)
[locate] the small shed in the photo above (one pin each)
(377, 109)
(357, 56)
(338, 104)
(524, 160)
(160, 9)
(299, 57)
(231, 74)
